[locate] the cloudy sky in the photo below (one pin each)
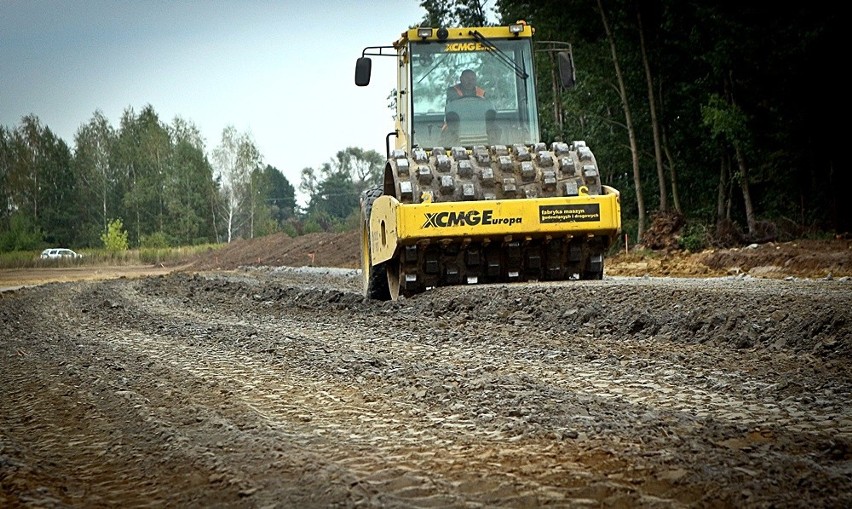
(281, 71)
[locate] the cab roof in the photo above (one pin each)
(517, 30)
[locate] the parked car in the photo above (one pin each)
(59, 252)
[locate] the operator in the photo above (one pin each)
(466, 87)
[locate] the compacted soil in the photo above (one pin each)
(246, 383)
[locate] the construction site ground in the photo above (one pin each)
(256, 375)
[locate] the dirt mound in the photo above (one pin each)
(664, 231)
(312, 250)
(802, 258)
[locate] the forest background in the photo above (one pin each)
(712, 117)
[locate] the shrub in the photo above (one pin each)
(694, 238)
(22, 235)
(156, 240)
(115, 238)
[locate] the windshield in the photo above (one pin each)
(465, 94)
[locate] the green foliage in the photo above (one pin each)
(352, 221)
(363, 167)
(629, 228)
(267, 226)
(20, 259)
(147, 256)
(724, 119)
(443, 13)
(21, 236)
(311, 225)
(156, 240)
(722, 73)
(695, 237)
(109, 257)
(115, 238)
(336, 188)
(152, 255)
(290, 229)
(280, 195)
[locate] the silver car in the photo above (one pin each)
(59, 252)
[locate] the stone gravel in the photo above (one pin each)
(273, 386)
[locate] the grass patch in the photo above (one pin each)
(102, 257)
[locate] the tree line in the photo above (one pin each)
(710, 115)
(711, 118)
(160, 184)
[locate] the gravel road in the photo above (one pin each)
(279, 387)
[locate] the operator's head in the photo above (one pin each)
(468, 80)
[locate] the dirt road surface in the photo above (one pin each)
(281, 387)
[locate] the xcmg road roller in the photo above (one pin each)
(470, 194)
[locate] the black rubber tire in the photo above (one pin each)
(374, 277)
(593, 274)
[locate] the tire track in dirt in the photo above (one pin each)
(643, 382)
(261, 388)
(639, 389)
(318, 413)
(79, 432)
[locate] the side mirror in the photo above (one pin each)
(363, 66)
(565, 61)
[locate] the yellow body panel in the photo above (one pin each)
(394, 224)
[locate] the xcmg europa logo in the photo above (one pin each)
(470, 218)
(454, 47)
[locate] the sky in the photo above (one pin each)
(280, 71)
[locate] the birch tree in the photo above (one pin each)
(234, 160)
(93, 144)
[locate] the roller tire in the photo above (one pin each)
(374, 277)
(494, 172)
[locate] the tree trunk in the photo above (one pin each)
(743, 180)
(160, 190)
(252, 207)
(213, 195)
(655, 127)
(557, 98)
(230, 222)
(729, 201)
(742, 167)
(634, 153)
(672, 174)
(721, 195)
